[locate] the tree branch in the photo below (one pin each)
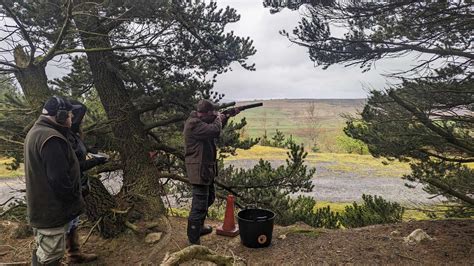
(162, 147)
(150, 107)
(96, 50)
(174, 119)
(67, 21)
(219, 184)
(450, 191)
(199, 253)
(5, 63)
(23, 31)
(457, 160)
(184, 23)
(428, 123)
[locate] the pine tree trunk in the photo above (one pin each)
(99, 203)
(140, 184)
(32, 79)
(99, 208)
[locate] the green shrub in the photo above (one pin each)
(374, 210)
(301, 209)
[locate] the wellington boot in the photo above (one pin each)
(74, 254)
(34, 258)
(78, 257)
(205, 229)
(194, 232)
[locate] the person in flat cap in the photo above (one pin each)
(200, 132)
(52, 176)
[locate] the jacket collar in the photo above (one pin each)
(44, 121)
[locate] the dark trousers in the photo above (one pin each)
(203, 197)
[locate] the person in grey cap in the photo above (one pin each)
(52, 176)
(200, 131)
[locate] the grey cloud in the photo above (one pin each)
(284, 69)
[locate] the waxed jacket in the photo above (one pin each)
(52, 177)
(200, 149)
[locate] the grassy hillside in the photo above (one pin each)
(305, 119)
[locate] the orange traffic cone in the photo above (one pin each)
(228, 228)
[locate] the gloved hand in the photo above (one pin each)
(101, 160)
(93, 150)
(222, 116)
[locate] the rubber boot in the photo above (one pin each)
(194, 232)
(74, 254)
(34, 258)
(205, 229)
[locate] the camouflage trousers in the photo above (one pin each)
(50, 243)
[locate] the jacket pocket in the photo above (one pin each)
(193, 171)
(208, 172)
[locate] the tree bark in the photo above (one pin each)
(32, 79)
(196, 252)
(140, 185)
(34, 84)
(99, 205)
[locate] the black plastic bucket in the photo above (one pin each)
(256, 227)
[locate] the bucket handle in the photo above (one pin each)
(251, 206)
(261, 218)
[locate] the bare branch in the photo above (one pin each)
(185, 180)
(67, 21)
(23, 30)
(96, 50)
(171, 120)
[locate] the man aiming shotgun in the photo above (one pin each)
(200, 131)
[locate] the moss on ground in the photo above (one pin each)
(6, 173)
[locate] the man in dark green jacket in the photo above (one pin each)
(52, 174)
(200, 131)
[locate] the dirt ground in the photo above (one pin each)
(453, 243)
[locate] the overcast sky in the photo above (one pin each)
(284, 69)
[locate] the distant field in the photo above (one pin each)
(303, 119)
(364, 165)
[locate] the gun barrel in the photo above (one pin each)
(225, 105)
(248, 106)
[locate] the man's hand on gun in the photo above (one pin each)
(226, 114)
(231, 112)
(100, 158)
